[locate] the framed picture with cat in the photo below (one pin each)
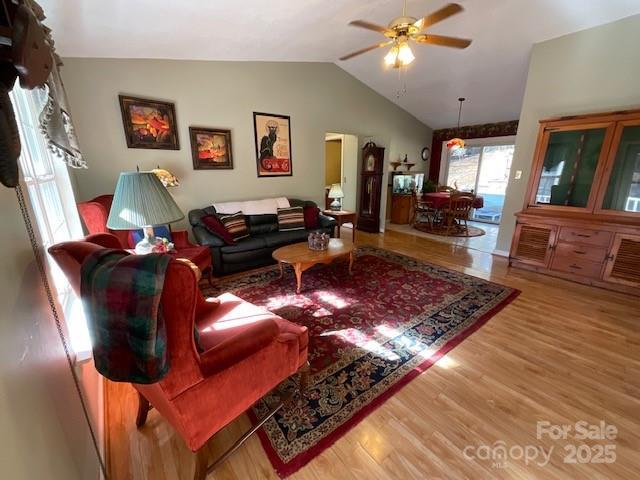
(273, 144)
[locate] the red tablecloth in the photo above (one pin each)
(441, 199)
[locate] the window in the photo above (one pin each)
(52, 201)
(483, 167)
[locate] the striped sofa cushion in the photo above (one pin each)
(291, 218)
(236, 225)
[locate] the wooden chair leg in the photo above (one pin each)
(143, 411)
(201, 464)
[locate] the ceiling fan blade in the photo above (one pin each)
(438, 16)
(443, 40)
(372, 26)
(365, 50)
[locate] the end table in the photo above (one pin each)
(342, 217)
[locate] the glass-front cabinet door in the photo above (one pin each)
(621, 190)
(568, 174)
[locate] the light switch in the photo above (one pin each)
(518, 175)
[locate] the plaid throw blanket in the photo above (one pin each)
(121, 297)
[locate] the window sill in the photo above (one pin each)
(74, 317)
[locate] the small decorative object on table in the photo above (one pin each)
(318, 241)
(163, 245)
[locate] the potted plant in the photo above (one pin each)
(429, 186)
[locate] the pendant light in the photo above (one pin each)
(457, 143)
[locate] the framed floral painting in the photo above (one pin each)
(149, 123)
(211, 148)
(273, 144)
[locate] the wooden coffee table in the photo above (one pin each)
(302, 257)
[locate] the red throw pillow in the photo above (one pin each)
(215, 226)
(311, 215)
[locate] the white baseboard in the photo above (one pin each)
(500, 253)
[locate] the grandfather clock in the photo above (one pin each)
(370, 188)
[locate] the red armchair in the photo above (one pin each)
(95, 212)
(246, 351)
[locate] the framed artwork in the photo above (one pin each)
(211, 148)
(273, 144)
(149, 123)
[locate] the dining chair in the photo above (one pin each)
(458, 210)
(423, 208)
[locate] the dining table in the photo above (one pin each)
(436, 202)
(439, 200)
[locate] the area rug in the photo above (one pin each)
(370, 333)
(453, 232)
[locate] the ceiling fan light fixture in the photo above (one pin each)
(405, 55)
(391, 57)
(404, 29)
(400, 55)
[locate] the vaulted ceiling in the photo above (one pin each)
(491, 73)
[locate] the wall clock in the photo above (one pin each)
(426, 152)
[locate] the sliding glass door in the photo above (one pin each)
(484, 169)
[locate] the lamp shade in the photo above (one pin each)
(167, 178)
(455, 144)
(140, 201)
(336, 191)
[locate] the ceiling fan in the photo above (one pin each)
(402, 30)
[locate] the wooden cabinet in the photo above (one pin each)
(581, 218)
(623, 263)
(401, 208)
(534, 244)
(370, 188)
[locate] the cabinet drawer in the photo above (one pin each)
(581, 252)
(582, 235)
(578, 266)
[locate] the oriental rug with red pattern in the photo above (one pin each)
(370, 333)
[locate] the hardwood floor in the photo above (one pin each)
(561, 352)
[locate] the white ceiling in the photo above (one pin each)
(491, 73)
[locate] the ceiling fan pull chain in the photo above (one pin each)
(404, 81)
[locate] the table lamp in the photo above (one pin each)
(167, 178)
(336, 193)
(141, 201)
